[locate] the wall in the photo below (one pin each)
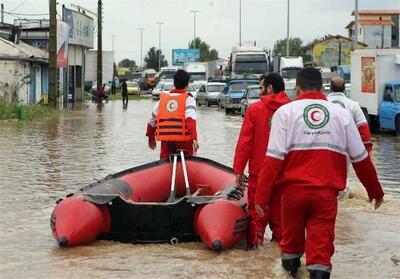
(76, 58)
(326, 53)
(373, 35)
(14, 81)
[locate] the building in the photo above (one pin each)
(377, 28)
(24, 74)
(330, 51)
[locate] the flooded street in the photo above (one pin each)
(41, 162)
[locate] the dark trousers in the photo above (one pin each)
(125, 99)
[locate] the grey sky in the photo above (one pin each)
(217, 22)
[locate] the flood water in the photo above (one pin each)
(41, 162)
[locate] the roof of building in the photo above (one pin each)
(329, 37)
(21, 51)
(377, 12)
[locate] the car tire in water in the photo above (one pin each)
(207, 103)
(241, 112)
(198, 103)
(398, 125)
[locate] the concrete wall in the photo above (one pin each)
(14, 81)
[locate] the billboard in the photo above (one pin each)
(368, 74)
(81, 28)
(91, 65)
(62, 44)
(182, 56)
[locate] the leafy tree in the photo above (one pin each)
(206, 54)
(295, 47)
(151, 59)
(131, 64)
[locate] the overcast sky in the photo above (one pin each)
(217, 21)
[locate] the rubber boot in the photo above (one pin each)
(319, 274)
(291, 265)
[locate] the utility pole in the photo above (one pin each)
(194, 26)
(141, 47)
(99, 44)
(53, 54)
(240, 22)
(340, 52)
(159, 45)
(287, 33)
(382, 32)
(2, 13)
(113, 50)
(355, 35)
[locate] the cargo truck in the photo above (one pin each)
(375, 85)
(248, 62)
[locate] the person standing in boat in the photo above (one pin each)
(251, 148)
(307, 153)
(173, 121)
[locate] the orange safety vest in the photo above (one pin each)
(170, 124)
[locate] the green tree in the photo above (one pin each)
(295, 47)
(151, 59)
(131, 64)
(206, 54)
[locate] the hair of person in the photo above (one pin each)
(337, 84)
(309, 79)
(181, 79)
(276, 81)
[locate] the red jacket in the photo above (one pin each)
(253, 140)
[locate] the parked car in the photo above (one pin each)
(207, 94)
(167, 87)
(155, 94)
(251, 95)
(192, 90)
(133, 88)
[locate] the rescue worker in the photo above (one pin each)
(251, 148)
(338, 97)
(306, 157)
(173, 120)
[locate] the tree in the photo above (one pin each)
(151, 59)
(295, 47)
(131, 64)
(206, 54)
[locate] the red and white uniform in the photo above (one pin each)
(310, 141)
(358, 116)
(190, 123)
(250, 148)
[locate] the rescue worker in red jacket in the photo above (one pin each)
(173, 120)
(251, 148)
(309, 143)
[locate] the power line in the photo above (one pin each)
(19, 14)
(23, 2)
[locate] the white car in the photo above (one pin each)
(167, 87)
(192, 90)
(155, 94)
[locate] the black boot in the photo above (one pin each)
(291, 265)
(319, 274)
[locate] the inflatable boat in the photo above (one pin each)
(174, 200)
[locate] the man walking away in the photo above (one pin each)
(173, 121)
(310, 141)
(251, 148)
(124, 92)
(338, 97)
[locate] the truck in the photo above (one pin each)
(288, 67)
(149, 79)
(248, 62)
(375, 85)
(198, 71)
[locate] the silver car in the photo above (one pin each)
(251, 95)
(207, 94)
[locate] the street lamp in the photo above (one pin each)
(159, 45)
(194, 25)
(287, 35)
(355, 39)
(240, 22)
(141, 47)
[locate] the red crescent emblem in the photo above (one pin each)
(313, 116)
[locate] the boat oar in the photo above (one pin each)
(172, 193)
(185, 173)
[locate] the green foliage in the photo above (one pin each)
(33, 112)
(151, 59)
(206, 54)
(131, 64)
(295, 47)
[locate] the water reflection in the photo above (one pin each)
(40, 162)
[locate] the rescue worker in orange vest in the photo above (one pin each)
(307, 153)
(173, 120)
(251, 148)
